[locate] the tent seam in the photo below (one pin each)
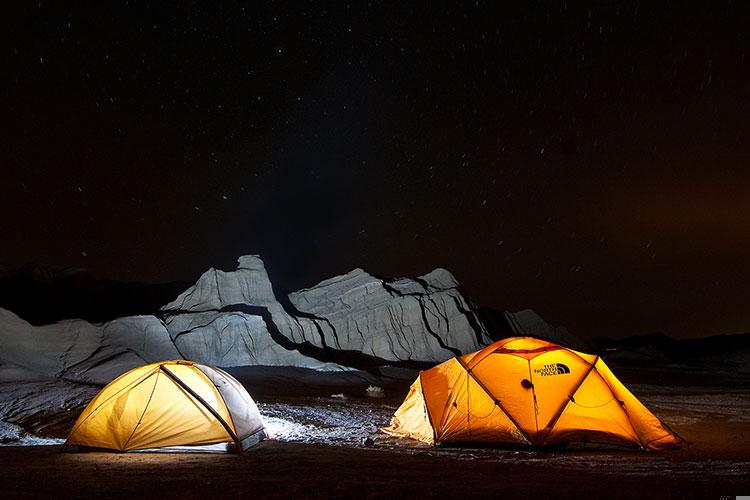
(497, 402)
(225, 406)
(153, 389)
(443, 414)
(622, 406)
(225, 375)
(553, 422)
(95, 410)
(200, 400)
(427, 409)
(533, 395)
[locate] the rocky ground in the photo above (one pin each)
(283, 470)
(325, 442)
(308, 359)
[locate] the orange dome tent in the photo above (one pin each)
(169, 404)
(523, 390)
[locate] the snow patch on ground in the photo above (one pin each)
(13, 435)
(325, 420)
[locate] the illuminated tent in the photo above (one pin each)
(527, 391)
(172, 403)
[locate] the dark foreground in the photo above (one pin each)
(328, 445)
(283, 469)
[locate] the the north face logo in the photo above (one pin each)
(552, 369)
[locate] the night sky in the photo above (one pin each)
(587, 161)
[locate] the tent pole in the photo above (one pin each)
(571, 397)
(496, 401)
(205, 404)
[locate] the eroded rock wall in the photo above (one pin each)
(233, 319)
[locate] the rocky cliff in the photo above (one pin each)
(233, 319)
(355, 318)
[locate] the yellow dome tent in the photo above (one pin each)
(166, 404)
(527, 391)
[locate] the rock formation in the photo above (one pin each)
(234, 319)
(422, 320)
(72, 349)
(80, 351)
(356, 318)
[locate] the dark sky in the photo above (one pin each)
(588, 161)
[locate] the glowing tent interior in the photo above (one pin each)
(169, 404)
(527, 391)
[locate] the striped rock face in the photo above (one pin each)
(234, 319)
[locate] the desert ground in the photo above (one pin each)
(325, 442)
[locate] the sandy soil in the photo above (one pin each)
(279, 469)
